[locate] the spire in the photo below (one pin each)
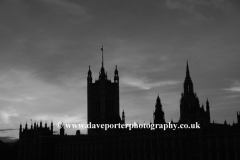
(89, 77)
(188, 85)
(20, 130)
(207, 107)
(187, 71)
(116, 78)
(158, 100)
(116, 71)
(89, 71)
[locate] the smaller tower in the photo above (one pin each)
(116, 78)
(20, 130)
(158, 115)
(26, 126)
(62, 130)
(225, 122)
(89, 78)
(52, 127)
(208, 107)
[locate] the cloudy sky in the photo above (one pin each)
(46, 47)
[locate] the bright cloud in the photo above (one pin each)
(234, 88)
(143, 83)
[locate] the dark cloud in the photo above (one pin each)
(200, 10)
(3, 130)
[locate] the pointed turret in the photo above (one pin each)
(208, 107)
(188, 85)
(116, 71)
(62, 130)
(89, 72)
(20, 129)
(52, 127)
(116, 78)
(123, 117)
(89, 78)
(158, 102)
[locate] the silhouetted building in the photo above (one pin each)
(36, 142)
(212, 142)
(190, 110)
(102, 100)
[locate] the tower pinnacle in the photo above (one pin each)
(187, 72)
(188, 85)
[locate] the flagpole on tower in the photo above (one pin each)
(102, 55)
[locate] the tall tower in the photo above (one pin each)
(158, 115)
(102, 100)
(190, 110)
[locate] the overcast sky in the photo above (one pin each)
(46, 47)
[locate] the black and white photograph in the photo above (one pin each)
(119, 79)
